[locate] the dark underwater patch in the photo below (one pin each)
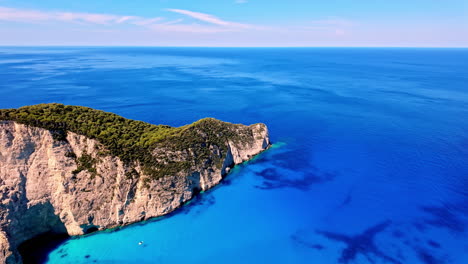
(444, 217)
(398, 234)
(428, 258)
(226, 182)
(293, 160)
(421, 227)
(363, 244)
(300, 241)
(291, 169)
(433, 244)
(273, 179)
(198, 203)
(347, 200)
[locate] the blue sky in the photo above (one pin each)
(377, 23)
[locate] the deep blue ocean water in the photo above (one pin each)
(369, 163)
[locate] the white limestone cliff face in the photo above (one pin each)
(40, 193)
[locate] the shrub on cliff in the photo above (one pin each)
(131, 140)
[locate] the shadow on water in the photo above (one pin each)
(48, 233)
(36, 250)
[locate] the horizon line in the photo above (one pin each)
(183, 46)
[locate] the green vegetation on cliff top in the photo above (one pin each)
(131, 140)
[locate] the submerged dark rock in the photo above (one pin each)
(311, 245)
(290, 170)
(363, 244)
(444, 217)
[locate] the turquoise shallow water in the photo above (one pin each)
(369, 163)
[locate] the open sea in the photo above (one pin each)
(369, 163)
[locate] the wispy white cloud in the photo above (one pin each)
(126, 18)
(241, 1)
(11, 14)
(35, 16)
(188, 28)
(173, 22)
(333, 21)
(205, 23)
(334, 25)
(147, 22)
(210, 19)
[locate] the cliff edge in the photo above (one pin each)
(75, 170)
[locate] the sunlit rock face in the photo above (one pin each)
(42, 191)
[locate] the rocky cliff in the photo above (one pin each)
(48, 185)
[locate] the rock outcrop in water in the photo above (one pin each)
(73, 184)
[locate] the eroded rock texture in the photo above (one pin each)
(41, 190)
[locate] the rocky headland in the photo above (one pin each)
(74, 170)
